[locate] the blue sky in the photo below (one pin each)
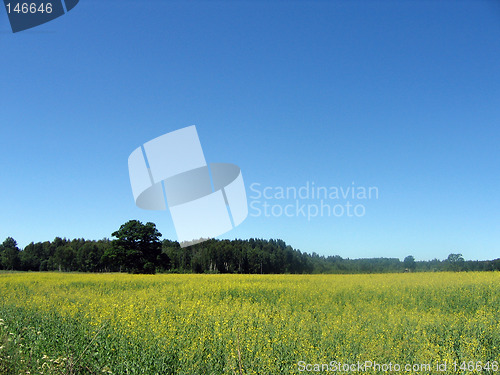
(401, 95)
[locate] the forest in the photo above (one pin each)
(138, 248)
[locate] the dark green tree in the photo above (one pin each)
(9, 254)
(409, 263)
(455, 262)
(137, 247)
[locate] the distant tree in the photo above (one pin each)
(136, 248)
(455, 262)
(495, 264)
(9, 254)
(64, 258)
(89, 257)
(409, 263)
(29, 260)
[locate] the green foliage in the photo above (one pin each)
(9, 255)
(455, 262)
(136, 248)
(409, 263)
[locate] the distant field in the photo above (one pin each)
(56, 323)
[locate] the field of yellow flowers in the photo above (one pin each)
(58, 323)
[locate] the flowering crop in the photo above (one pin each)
(57, 323)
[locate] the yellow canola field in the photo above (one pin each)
(58, 323)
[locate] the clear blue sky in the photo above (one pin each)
(401, 95)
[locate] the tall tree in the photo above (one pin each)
(136, 248)
(409, 263)
(9, 254)
(455, 262)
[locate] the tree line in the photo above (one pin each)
(137, 248)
